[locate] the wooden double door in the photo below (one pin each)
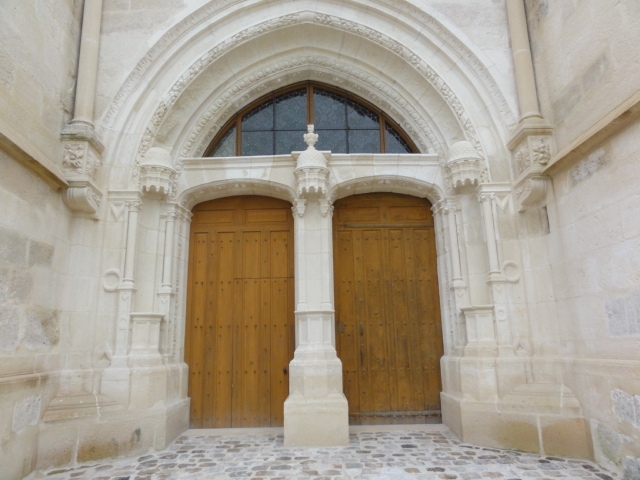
(240, 324)
(388, 329)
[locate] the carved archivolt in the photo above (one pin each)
(204, 14)
(436, 81)
(386, 97)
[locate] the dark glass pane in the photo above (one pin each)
(364, 141)
(257, 143)
(291, 110)
(334, 140)
(288, 141)
(226, 147)
(260, 118)
(394, 142)
(360, 117)
(328, 110)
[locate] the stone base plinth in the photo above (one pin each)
(316, 422)
(500, 425)
(77, 440)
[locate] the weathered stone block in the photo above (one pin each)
(21, 286)
(7, 67)
(115, 439)
(9, 327)
(623, 315)
(42, 329)
(632, 468)
(4, 285)
(623, 405)
(596, 72)
(567, 102)
(594, 162)
(567, 437)
(40, 253)
(13, 247)
(26, 412)
(609, 443)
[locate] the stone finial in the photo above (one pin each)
(310, 138)
(311, 172)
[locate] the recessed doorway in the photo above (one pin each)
(388, 328)
(240, 322)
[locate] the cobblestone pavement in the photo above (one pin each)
(408, 452)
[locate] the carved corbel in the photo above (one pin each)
(81, 162)
(532, 147)
(157, 174)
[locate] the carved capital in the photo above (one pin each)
(326, 207)
(299, 207)
(133, 205)
(486, 197)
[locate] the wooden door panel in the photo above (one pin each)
(387, 308)
(194, 337)
(240, 312)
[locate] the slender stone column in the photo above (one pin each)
(522, 63)
(132, 234)
(116, 378)
(486, 199)
(88, 63)
(168, 251)
(316, 411)
(450, 211)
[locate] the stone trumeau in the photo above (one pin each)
(518, 121)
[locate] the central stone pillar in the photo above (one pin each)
(316, 411)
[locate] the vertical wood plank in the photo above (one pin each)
(196, 374)
(224, 328)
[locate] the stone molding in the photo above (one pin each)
(204, 16)
(384, 95)
(24, 152)
(436, 81)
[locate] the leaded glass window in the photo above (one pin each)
(275, 124)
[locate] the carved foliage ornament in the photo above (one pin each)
(408, 9)
(434, 79)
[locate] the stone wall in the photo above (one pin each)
(38, 50)
(33, 263)
(586, 65)
(585, 55)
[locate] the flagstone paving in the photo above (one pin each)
(407, 452)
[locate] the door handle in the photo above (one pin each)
(285, 371)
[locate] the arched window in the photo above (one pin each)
(274, 125)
